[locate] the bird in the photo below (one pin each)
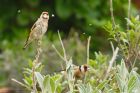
(78, 71)
(38, 29)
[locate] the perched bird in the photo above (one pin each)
(79, 71)
(38, 29)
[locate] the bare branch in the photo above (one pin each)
(58, 52)
(88, 44)
(111, 62)
(20, 83)
(129, 11)
(64, 52)
(112, 15)
(112, 46)
(59, 55)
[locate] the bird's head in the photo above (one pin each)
(84, 68)
(45, 15)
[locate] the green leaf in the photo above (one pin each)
(102, 85)
(92, 62)
(46, 84)
(120, 82)
(129, 22)
(85, 88)
(53, 85)
(131, 83)
(59, 89)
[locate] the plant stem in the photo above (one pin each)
(20, 83)
(112, 15)
(129, 11)
(59, 55)
(35, 62)
(64, 52)
(88, 44)
(111, 62)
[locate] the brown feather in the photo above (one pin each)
(27, 43)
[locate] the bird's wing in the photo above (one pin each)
(33, 27)
(36, 27)
(35, 24)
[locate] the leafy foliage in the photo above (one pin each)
(75, 17)
(127, 81)
(128, 41)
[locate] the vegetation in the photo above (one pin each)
(116, 72)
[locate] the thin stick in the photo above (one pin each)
(58, 52)
(129, 11)
(111, 62)
(20, 83)
(71, 85)
(64, 57)
(112, 46)
(34, 79)
(64, 52)
(112, 15)
(59, 55)
(35, 62)
(88, 44)
(135, 60)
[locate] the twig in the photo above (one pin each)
(129, 11)
(35, 62)
(20, 83)
(70, 84)
(136, 51)
(112, 47)
(111, 62)
(59, 55)
(58, 52)
(112, 15)
(88, 44)
(64, 57)
(64, 52)
(34, 79)
(135, 60)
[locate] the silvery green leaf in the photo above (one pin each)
(129, 22)
(137, 18)
(85, 88)
(46, 84)
(40, 79)
(131, 83)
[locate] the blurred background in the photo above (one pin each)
(75, 19)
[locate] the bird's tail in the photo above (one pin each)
(28, 41)
(26, 44)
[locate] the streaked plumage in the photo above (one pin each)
(38, 29)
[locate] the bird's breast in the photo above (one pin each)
(44, 28)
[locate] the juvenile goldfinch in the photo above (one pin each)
(38, 29)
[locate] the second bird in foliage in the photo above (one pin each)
(78, 71)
